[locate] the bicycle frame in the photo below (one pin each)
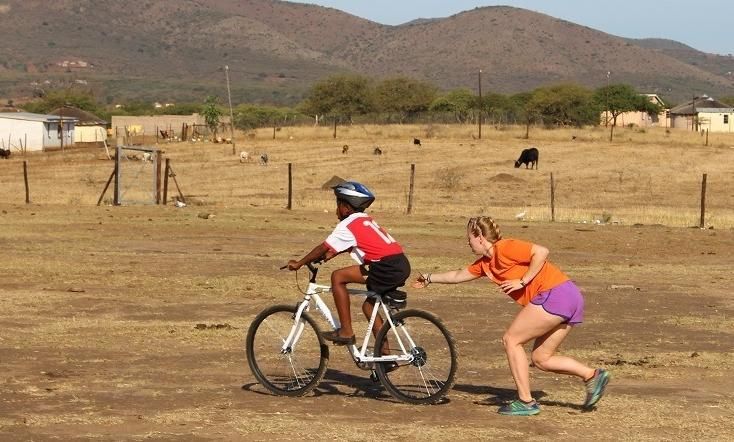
(359, 355)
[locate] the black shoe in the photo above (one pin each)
(391, 366)
(334, 337)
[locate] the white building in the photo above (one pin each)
(24, 131)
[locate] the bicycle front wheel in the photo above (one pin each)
(430, 374)
(291, 371)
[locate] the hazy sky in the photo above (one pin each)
(706, 26)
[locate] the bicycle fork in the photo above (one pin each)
(298, 325)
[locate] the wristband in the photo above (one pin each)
(427, 278)
(522, 283)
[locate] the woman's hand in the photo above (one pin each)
(423, 281)
(511, 285)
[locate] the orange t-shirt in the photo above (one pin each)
(511, 260)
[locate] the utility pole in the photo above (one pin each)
(694, 119)
(606, 112)
(480, 104)
(61, 126)
(231, 114)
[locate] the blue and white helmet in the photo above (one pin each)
(355, 194)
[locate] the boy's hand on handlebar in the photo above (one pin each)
(293, 265)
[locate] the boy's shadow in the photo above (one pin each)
(339, 383)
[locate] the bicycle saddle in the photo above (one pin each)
(395, 298)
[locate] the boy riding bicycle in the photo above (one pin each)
(382, 265)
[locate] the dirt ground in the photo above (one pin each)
(100, 308)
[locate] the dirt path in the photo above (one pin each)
(99, 337)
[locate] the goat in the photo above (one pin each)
(147, 156)
(244, 156)
(377, 151)
(264, 159)
(417, 142)
(528, 156)
(345, 149)
(4, 153)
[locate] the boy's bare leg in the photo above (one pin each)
(367, 308)
(339, 280)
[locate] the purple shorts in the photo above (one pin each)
(564, 300)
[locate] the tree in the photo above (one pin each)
(59, 98)
(403, 96)
(458, 102)
(494, 105)
(212, 113)
(617, 99)
(250, 116)
(339, 96)
(523, 108)
(564, 105)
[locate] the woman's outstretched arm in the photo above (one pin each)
(452, 277)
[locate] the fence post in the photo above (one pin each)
(117, 189)
(165, 182)
(158, 164)
(703, 202)
(553, 198)
(410, 189)
(290, 187)
(114, 173)
(707, 137)
(25, 179)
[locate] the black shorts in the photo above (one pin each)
(387, 274)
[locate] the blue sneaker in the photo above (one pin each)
(519, 408)
(595, 387)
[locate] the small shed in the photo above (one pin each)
(703, 113)
(90, 129)
(25, 131)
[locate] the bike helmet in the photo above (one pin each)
(355, 194)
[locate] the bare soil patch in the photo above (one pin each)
(128, 323)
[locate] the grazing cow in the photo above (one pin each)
(417, 142)
(345, 149)
(4, 153)
(528, 157)
(377, 151)
(244, 156)
(264, 159)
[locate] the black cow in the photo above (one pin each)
(4, 153)
(528, 156)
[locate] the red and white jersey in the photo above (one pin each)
(368, 241)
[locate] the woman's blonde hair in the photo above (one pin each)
(485, 226)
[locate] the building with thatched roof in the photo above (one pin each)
(703, 113)
(89, 127)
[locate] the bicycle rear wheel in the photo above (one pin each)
(431, 374)
(293, 371)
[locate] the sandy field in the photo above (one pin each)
(128, 323)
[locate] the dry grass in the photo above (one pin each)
(100, 304)
(650, 176)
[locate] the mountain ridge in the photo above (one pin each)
(277, 49)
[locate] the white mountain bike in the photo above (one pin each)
(288, 356)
